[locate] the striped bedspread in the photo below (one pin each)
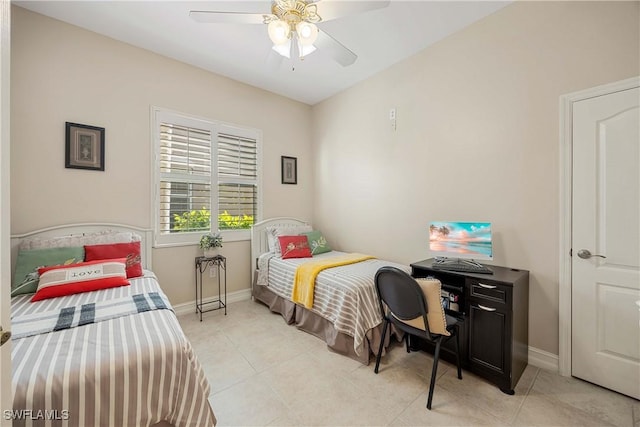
(133, 370)
(345, 295)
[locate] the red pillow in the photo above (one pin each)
(130, 251)
(294, 247)
(61, 280)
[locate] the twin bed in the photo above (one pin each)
(126, 365)
(345, 311)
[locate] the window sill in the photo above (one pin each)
(227, 237)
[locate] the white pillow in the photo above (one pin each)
(283, 230)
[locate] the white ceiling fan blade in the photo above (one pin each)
(332, 9)
(335, 49)
(208, 16)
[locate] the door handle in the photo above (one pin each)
(585, 254)
(486, 308)
(4, 336)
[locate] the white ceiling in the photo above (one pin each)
(243, 52)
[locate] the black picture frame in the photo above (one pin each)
(84, 147)
(289, 167)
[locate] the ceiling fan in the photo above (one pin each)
(291, 25)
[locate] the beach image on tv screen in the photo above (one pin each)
(465, 239)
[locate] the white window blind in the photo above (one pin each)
(237, 180)
(185, 178)
(207, 178)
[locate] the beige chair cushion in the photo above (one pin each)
(435, 312)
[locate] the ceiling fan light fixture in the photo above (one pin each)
(305, 50)
(283, 49)
(279, 32)
(307, 33)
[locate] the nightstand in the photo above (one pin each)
(218, 262)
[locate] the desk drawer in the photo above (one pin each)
(489, 291)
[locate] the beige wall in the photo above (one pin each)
(63, 73)
(477, 113)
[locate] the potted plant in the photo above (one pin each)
(210, 243)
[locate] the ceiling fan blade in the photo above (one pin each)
(335, 49)
(331, 9)
(208, 16)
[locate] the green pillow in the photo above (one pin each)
(25, 278)
(317, 242)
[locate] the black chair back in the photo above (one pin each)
(401, 294)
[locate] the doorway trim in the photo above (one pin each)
(6, 392)
(566, 174)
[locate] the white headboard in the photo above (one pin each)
(146, 236)
(259, 242)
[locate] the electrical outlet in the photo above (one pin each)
(213, 272)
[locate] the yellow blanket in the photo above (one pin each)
(304, 280)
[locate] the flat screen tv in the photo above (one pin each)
(461, 240)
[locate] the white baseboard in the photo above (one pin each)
(190, 306)
(543, 359)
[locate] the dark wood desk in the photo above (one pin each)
(494, 308)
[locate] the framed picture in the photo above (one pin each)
(289, 170)
(84, 147)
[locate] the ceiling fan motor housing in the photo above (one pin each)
(295, 11)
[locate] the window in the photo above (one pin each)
(206, 178)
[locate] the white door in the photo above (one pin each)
(605, 322)
(6, 400)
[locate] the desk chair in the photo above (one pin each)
(415, 308)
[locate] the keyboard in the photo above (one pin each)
(462, 267)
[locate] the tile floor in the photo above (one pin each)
(266, 373)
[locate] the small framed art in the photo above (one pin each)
(84, 147)
(289, 170)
